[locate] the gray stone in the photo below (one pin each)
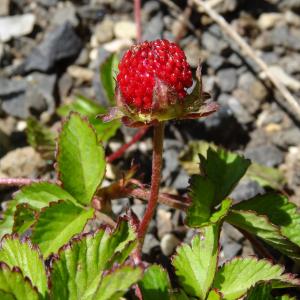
(168, 244)
(22, 98)
(213, 40)
(246, 189)
(241, 114)
(267, 155)
(22, 162)
(193, 53)
(230, 250)
(150, 243)
(65, 13)
(154, 28)
(252, 85)
(286, 138)
(227, 79)
(58, 45)
(215, 61)
(16, 26)
(181, 181)
(150, 8)
(104, 31)
(139, 210)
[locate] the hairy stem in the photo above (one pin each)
(158, 138)
(22, 181)
(169, 200)
(134, 139)
(138, 22)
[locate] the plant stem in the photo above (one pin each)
(169, 200)
(22, 181)
(137, 17)
(158, 138)
(122, 149)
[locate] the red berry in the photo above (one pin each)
(143, 64)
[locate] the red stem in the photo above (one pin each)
(158, 137)
(137, 17)
(22, 181)
(169, 200)
(122, 149)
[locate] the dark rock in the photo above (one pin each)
(61, 44)
(154, 28)
(246, 189)
(22, 98)
(267, 155)
(227, 79)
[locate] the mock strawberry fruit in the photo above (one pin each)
(151, 87)
(150, 68)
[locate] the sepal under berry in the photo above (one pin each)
(166, 105)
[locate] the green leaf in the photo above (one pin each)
(224, 169)
(14, 286)
(24, 218)
(236, 277)
(262, 291)
(279, 211)
(201, 212)
(196, 264)
(40, 138)
(155, 284)
(57, 224)
(260, 226)
(285, 297)
(77, 271)
(37, 196)
(214, 295)
(202, 194)
(115, 284)
(27, 258)
(105, 130)
(91, 109)
(108, 71)
(83, 106)
(81, 160)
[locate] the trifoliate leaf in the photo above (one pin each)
(78, 268)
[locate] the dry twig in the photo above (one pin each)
(227, 28)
